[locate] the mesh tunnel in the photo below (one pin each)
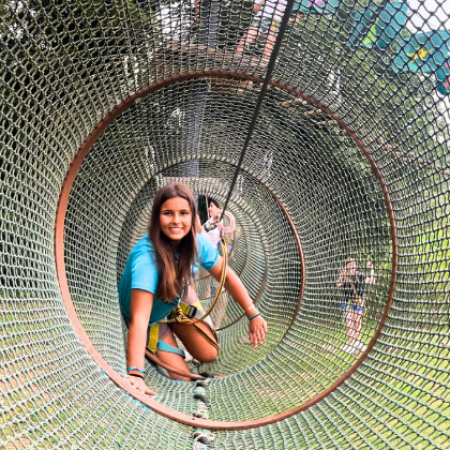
(103, 102)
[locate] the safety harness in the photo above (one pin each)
(190, 315)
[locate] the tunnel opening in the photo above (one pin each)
(288, 256)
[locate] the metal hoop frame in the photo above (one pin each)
(61, 271)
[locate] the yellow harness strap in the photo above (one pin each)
(182, 314)
(153, 335)
(186, 309)
(178, 315)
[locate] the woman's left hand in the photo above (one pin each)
(257, 330)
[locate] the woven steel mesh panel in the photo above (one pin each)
(349, 157)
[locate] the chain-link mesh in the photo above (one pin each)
(348, 158)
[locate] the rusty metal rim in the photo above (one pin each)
(61, 271)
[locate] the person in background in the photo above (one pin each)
(266, 21)
(212, 229)
(353, 283)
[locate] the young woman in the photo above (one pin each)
(353, 282)
(157, 277)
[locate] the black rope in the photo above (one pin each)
(270, 67)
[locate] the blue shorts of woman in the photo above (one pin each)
(265, 24)
(354, 305)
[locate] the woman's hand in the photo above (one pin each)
(257, 330)
(257, 326)
(139, 384)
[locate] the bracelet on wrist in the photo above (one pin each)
(249, 308)
(137, 375)
(254, 315)
(129, 369)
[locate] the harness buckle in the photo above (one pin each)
(192, 312)
(184, 313)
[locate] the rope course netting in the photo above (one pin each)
(104, 102)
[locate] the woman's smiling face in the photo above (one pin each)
(176, 218)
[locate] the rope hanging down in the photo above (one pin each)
(270, 68)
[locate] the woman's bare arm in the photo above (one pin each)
(141, 308)
(237, 290)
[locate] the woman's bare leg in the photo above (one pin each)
(196, 344)
(349, 325)
(173, 359)
(270, 42)
(247, 39)
(358, 324)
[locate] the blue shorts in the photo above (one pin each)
(264, 24)
(353, 305)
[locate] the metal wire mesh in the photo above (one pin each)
(349, 157)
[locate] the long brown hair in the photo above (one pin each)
(174, 265)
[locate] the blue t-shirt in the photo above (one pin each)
(141, 272)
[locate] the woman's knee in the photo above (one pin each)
(208, 355)
(204, 353)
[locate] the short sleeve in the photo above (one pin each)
(207, 252)
(144, 274)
